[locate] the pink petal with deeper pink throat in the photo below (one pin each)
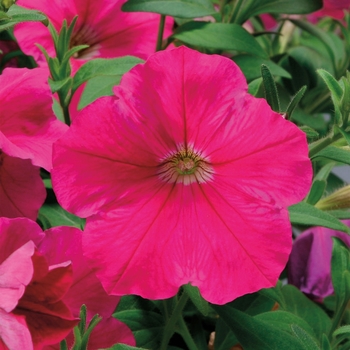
(102, 25)
(186, 180)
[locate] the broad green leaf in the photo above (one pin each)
(297, 303)
(175, 8)
(104, 67)
(270, 88)
(250, 65)
(260, 333)
(334, 153)
(291, 299)
(305, 338)
(220, 36)
(306, 214)
(224, 337)
(196, 298)
(51, 215)
(141, 316)
(255, 7)
(316, 192)
(98, 87)
(147, 326)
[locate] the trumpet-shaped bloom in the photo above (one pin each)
(28, 128)
(32, 312)
(186, 180)
(102, 25)
(309, 267)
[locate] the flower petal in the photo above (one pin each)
(189, 234)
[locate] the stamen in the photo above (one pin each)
(185, 166)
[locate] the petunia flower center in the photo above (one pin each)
(85, 35)
(185, 166)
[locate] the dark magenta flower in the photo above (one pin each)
(309, 266)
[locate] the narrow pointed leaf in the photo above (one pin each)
(335, 153)
(316, 191)
(306, 214)
(271, 93)
(295, 101)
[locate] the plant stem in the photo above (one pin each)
(160, 33)
(169, 329)
(337, 318)
(319, 145)
(186, 335)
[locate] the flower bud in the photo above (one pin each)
(337, 200)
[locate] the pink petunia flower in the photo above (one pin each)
(62, 244)
(32, 312)
(309, 267)
(186, 180)
(332, 8)
(101, 24)
(28, 128)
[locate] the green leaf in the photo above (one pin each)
(295, 101)
(340, 267)
(123, 347)
(308, 341)
(316, 192)
(250, 65)
(254, 86)
(335, 153)
(259, 332)
(270, 88)
(196, 298)
(306, 214)
(175, 8)
(51, 215)
(339, 214)
(18, 14)
(60, 84)
(297, 303)
(345, 134)
(310, 132)
(342, 330)
(219, 36)
(98, 87)
(104, 67)
(331, 83)
(291, 299)
(141, 317)
(255, 7)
